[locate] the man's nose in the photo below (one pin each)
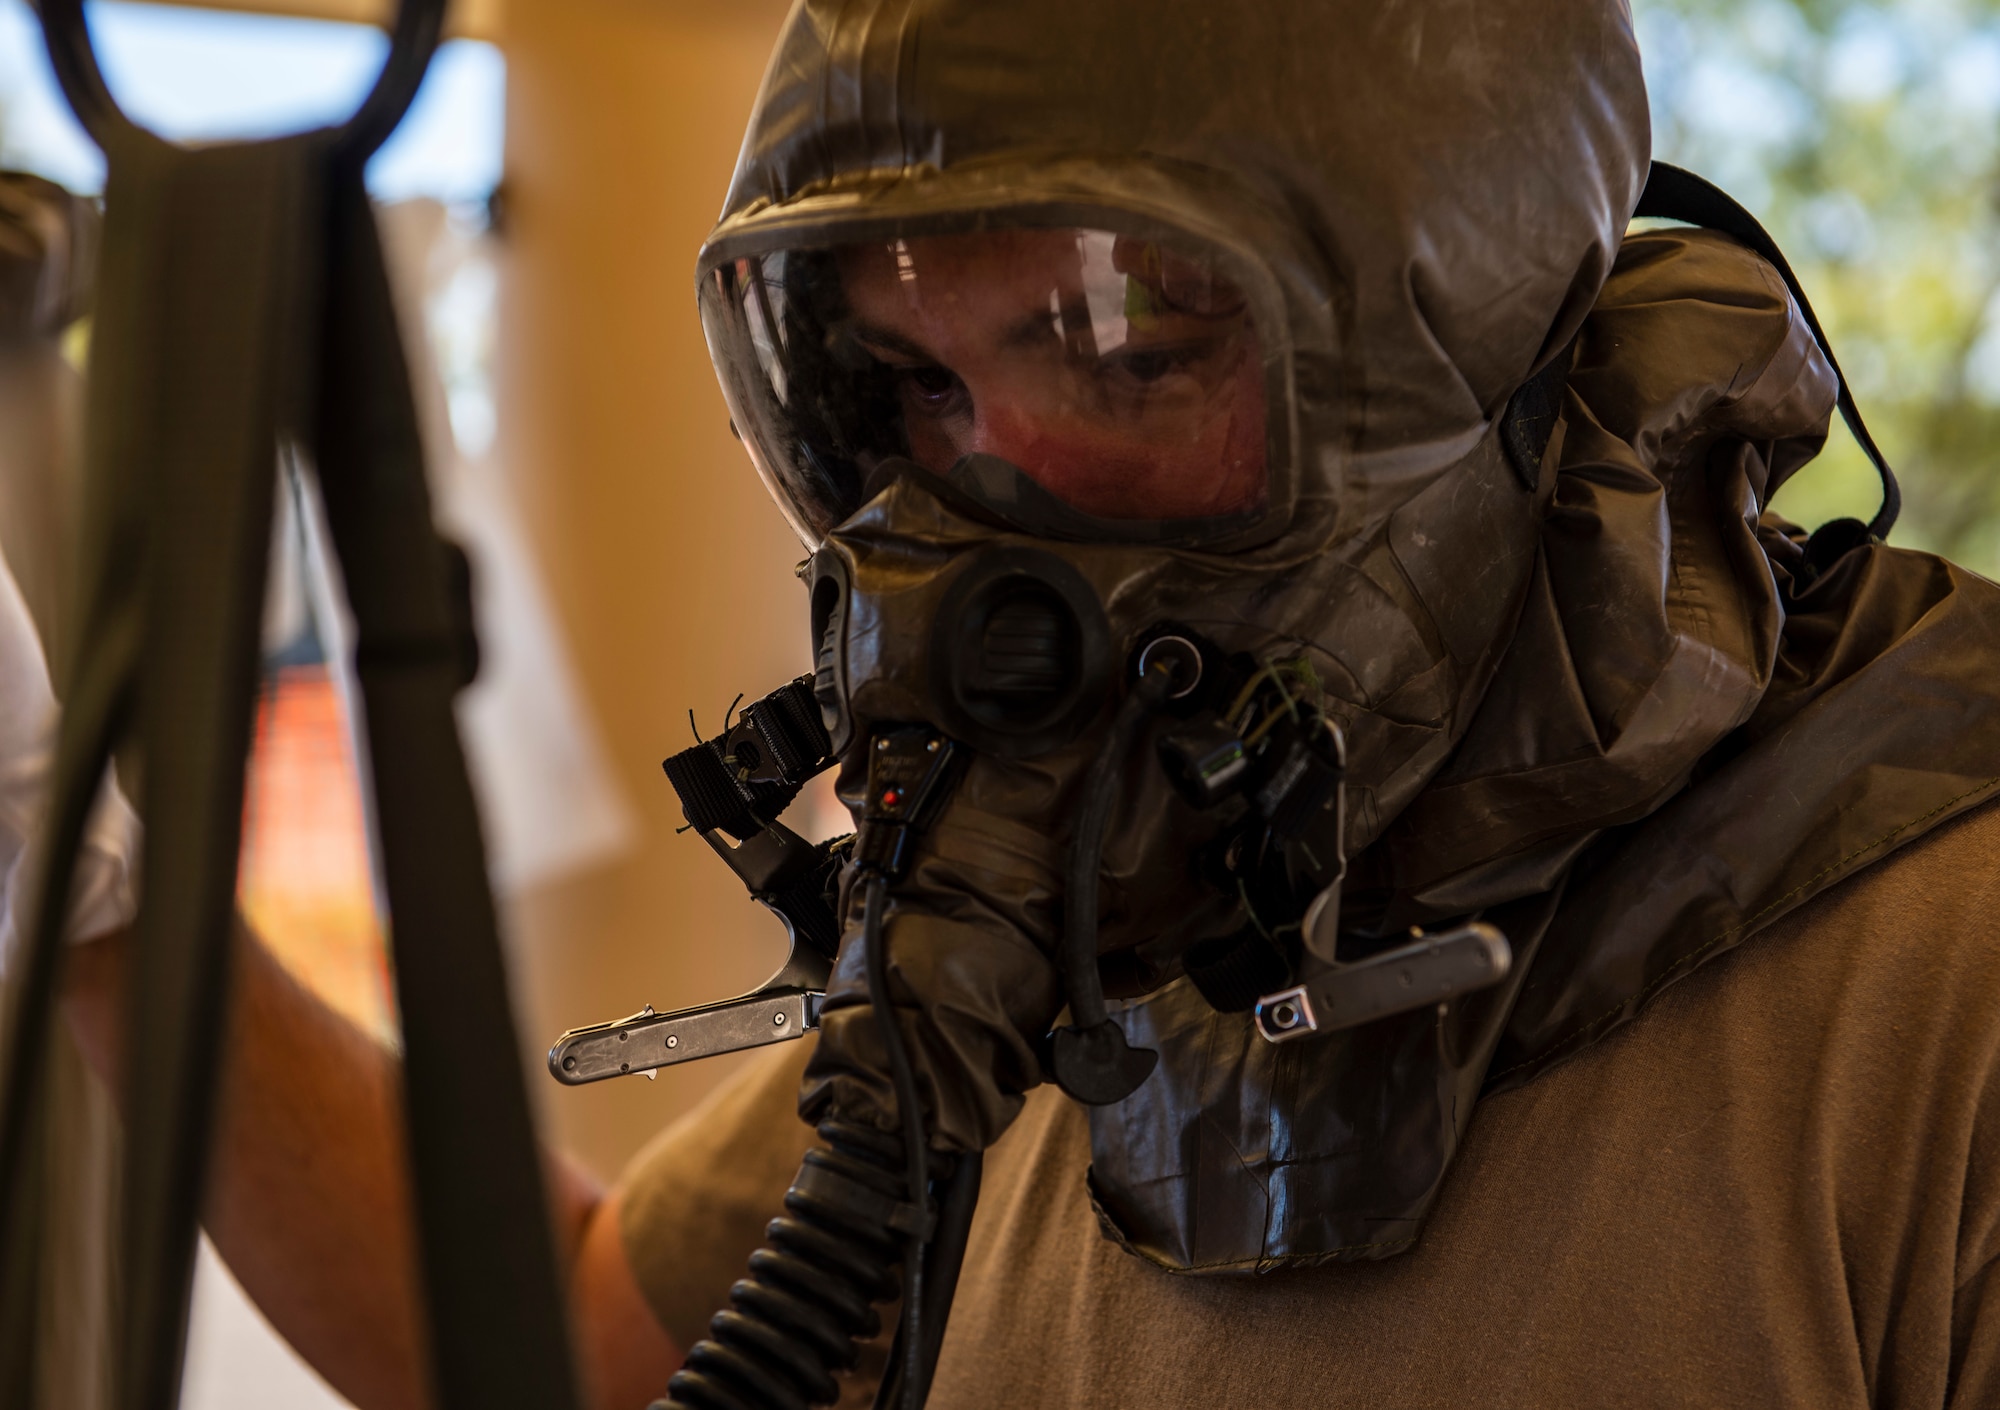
(1002, 429)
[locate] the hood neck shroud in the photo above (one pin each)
(1688, 736)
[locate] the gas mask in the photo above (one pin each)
(1135, 633)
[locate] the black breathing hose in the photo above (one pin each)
(810, 1296)
(851, 1214)
(910, 1120)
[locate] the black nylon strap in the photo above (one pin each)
(96, 693)
(709, 797)
(178, 490)
(227, 384)
(788, 720)
(497, 1318)
(244, 300)
(1233, 971)
(1673, 193)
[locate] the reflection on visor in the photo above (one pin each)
(1123, 377)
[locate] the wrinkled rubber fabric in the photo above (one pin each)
(1531, 678)
(972, 930)
(244, 308)
(1666, 638)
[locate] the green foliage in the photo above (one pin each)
(1867, 139)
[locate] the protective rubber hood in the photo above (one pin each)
(1435, 192)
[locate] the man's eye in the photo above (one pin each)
(1149, 365)
(932, 383)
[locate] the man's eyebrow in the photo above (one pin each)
(1029, 331)
(890, 342)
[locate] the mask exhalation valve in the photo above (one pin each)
(1019, 652)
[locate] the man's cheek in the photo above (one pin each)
(931, 444)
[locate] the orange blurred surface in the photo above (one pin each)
(303, 880)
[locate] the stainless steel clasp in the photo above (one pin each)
(785, 1006)
(1428, 970)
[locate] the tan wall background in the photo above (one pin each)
(669, 567)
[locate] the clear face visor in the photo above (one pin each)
(1078, 381)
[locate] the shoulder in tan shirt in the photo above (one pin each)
(1779, 1186)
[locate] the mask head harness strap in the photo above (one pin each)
(1673, 193)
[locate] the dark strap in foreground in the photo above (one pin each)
(244, 308)
(497, 1316)
(1673, 193)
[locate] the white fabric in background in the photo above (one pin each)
(103, 889)
(235, 1361)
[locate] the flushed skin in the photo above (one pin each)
(1600, 700)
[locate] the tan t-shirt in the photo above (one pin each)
(1780, 1186)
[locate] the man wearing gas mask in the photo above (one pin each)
(1332, 553)
(1365, 881)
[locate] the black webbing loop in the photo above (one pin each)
(708, 794)
(788, 720)
(744, 777)
(418, 26)
(1673, 193)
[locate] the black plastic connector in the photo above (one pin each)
(910, 773)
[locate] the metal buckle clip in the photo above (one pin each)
(1429, 970)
